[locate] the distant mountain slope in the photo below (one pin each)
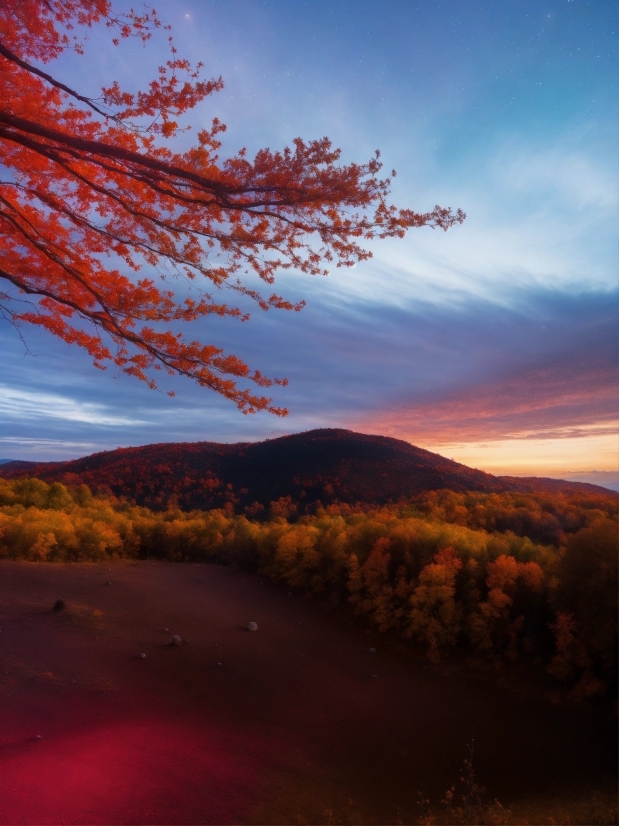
(543, 484)
(327, 465)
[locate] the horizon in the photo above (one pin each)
(601, 478)
(493, 344)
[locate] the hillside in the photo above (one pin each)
(325, 465)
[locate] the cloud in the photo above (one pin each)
(46, 443)
(557, 401)
(546, 369)
(540, 216)
(556, 176)
(19, 404)
(475, 370)
(536, 457)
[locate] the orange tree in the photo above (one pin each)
(92, 192)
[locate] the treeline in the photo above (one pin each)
(443, 571)
(548, 518)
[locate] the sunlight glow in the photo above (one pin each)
(536, 457)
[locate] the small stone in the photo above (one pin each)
(253, 626)
(372, 651)
(38, 737)
(218, 663)
(59, 605)
(108, 583)
(143, 656)
(166, 629)
(374, 675)
(175, 640)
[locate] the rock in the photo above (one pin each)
(175, 640)
(59, 605)
(143, 656)
(372, 651)
(253, 626)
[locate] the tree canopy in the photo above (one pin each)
(93, 194)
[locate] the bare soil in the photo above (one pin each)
(296, 722)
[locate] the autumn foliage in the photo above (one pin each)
(324, 467)
(100, 212)
(444, 586)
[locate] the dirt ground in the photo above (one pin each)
(297, 722)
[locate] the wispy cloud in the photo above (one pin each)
(475, 370)
(558, 401)
(17, 404)
(62, 444)
(536, 216)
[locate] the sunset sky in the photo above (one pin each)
(494, 344)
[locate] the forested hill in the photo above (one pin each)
(320, 465)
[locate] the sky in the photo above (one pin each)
(495, 344)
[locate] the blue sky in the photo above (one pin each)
(496, 343)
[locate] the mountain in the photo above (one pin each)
(324, 465)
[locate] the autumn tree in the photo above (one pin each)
(370, 586)
(514, 588)
(97, 205)
(435, 617)
(586, 598)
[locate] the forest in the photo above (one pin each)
(507, 576)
